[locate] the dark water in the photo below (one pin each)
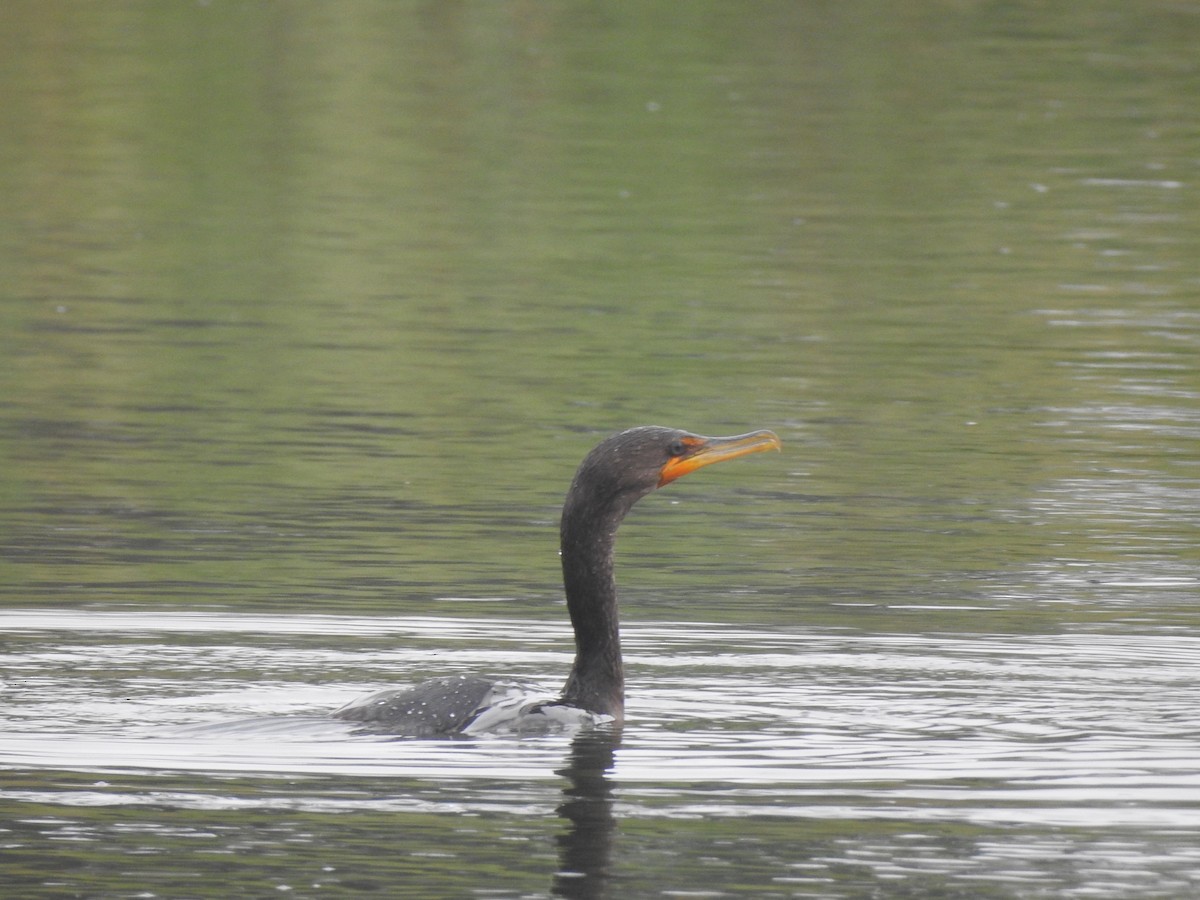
(309, 313)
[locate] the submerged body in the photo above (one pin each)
(611, 479)
(467, 704)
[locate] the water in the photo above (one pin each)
(797, 760)
(308, 316)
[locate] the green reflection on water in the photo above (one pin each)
(321, 307)
(315, 306)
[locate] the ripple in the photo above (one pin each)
(984, 727)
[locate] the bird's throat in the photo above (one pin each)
(597, 681)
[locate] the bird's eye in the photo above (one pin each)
(677, 448)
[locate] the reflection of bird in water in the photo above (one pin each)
(585, 845)
(612, 477)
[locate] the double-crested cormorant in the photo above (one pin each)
(612, 477)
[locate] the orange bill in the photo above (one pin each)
(704, 451)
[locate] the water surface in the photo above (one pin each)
(308, 317)
(966, 741)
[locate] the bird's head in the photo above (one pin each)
(630, 464)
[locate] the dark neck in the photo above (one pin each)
(597, 680)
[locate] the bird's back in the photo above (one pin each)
(444, 705)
